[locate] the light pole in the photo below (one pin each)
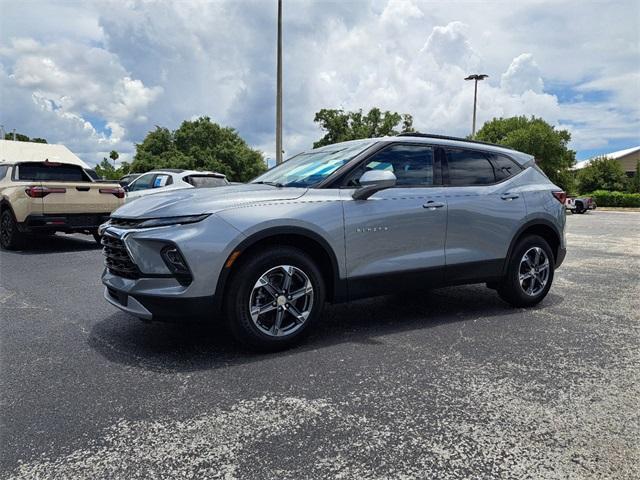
(476, 77)
(279, 89)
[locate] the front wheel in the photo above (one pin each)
(273, 298)
(529, 273)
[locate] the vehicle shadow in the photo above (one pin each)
(37, 245)
(192, 346)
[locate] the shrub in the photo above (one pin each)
(605, 198)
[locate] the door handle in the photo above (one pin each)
(509, 196)
(431, 205)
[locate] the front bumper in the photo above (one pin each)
(139, 280)
(147, 307)
(64, 222)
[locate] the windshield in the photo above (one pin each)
(310, 168)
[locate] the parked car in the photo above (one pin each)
(47, 197)
(127, 179)
(344, 221)
(580, 205)
(160, 181)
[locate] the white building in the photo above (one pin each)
(14, 151)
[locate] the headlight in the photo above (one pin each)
(163, 222)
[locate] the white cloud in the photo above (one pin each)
(127, 66)
(523, 74)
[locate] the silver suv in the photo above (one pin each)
(345, 221)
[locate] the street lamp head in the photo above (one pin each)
(477, 76)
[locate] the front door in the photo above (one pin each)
(395, 239)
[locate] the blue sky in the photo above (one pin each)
(97, 76)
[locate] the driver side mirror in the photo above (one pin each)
(373, 181)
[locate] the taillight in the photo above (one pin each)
(560, 196)
(118, 192)
(39, 192)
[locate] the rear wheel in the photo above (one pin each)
(529, 274)
(10, 237)
(273, 298)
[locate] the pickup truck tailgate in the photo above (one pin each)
(67, 189)
(80, 197)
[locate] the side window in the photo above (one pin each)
(411, 164)
(505, 167)
(162, 180)
(467, 168)
(3, 171)
(142, 183)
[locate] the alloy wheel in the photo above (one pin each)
(533, 273)
(281, 300)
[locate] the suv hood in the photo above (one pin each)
(195, 201)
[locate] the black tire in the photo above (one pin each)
(241, 287)
(10, 237)
(510, 289)
(579, 207)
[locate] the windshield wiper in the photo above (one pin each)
(273, 184)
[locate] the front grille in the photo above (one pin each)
(117, 258)
(124, 222)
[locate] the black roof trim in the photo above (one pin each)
(172, 170)
(446, 137)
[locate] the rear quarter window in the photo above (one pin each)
(505, 167)
(52, 172)
(3, 171)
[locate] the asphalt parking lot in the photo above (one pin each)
(448, 384)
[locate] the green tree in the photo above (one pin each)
(602, 173)
(23, 138)
(114, 156)
(538, 138)
(107, 171)
(199, 145)
(341, 126)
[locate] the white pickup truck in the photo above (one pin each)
(580, 205)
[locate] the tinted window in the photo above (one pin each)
(206, 181)
(51, 172)
(3, 171)
(411, 164)
(469, 168)
(142, 183)
(505, 167)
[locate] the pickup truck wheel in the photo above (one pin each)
(529, 274)
(10, 237)
(273, 298)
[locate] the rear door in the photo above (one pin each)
(71, 189)
(486, 208)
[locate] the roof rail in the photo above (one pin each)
(446, 137)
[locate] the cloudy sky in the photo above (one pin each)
(97, 76)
